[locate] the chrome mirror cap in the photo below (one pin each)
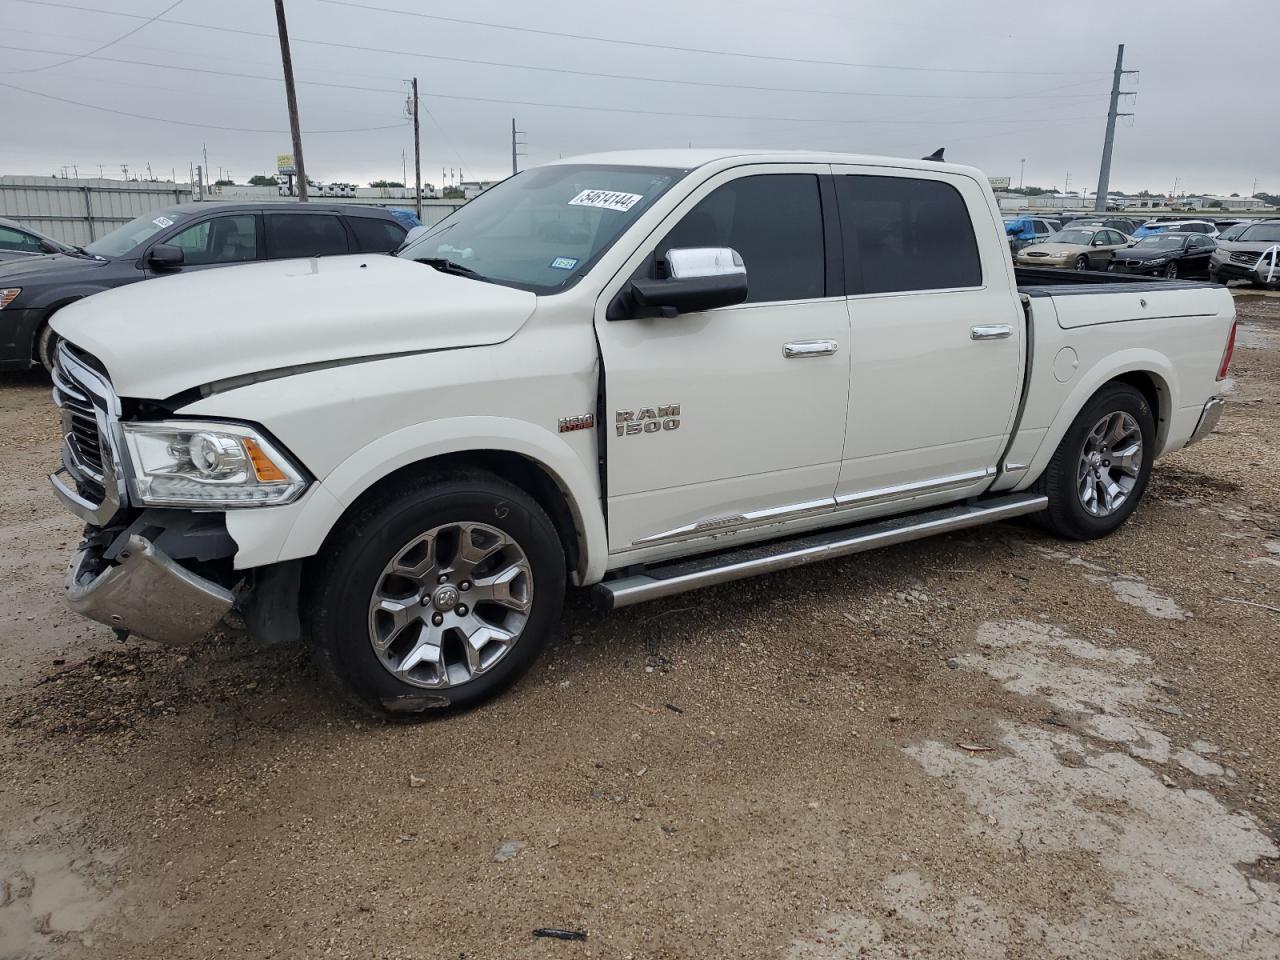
(692, 262)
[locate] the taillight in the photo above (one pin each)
(1226, 354)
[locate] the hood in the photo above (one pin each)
(1247, 246)
(1144, 253)
(1053, 249)
(47, 266)
(163, 336)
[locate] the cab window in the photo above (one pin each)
(774, 221)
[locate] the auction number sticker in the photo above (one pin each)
(564, 263)
(162, 222)
(606, 200)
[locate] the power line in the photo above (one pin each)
(183, 123)
(472, 61)
(701, 50)
(147, 22)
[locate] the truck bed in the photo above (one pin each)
(1046, 281)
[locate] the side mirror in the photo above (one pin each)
(699, 278)
(48, 246)
(164, 256)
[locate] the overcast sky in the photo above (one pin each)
(993, 82)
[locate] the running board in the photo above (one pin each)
(749, 561)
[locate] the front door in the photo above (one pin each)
(730, 421)
(216, 242)
(936, 335)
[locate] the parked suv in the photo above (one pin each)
(183, 239)
(1237, 259)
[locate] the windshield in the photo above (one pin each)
(1160, 243)
(1233, 231)
(119, 242)
(542, 229)
(1260, 233)
(1072, 236)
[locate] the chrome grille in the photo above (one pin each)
(89, 409)
(1247, 257)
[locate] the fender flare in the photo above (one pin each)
(425, 441)
(1134, 360)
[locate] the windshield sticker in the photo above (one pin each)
(606, 200)
(162, 222)
(564, 263)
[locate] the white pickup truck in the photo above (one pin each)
(641, 373)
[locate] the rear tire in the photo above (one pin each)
(397, 616)
(1089, 483)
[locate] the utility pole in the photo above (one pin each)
(1104, 173)
(514, 145)
(1022, 168)
(286, 60)
(417, 152)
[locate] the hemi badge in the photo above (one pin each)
(584, 422)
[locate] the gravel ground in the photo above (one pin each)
(993, 744)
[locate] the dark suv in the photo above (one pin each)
(190, 236)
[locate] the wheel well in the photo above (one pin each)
(527, 474)
(44, 322)
(1156, 393)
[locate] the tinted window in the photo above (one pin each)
(774, 221)
(220, 240)
(1113, 237)
(16, 240)
(304, 235)
(382, 236)
(905, 234)
(1042, 228)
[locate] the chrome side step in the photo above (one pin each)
(677, 577)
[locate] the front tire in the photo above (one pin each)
(1101, 468)
(46, 346)
(437, 596)
(1082, 262)
(1171, 271)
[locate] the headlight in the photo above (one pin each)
(185, 463)
(1158, 260)
(8, 295)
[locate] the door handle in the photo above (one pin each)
(991, 331)
(808, 348)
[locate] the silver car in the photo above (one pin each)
(1237, 259)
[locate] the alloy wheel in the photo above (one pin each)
(1110, 463)
(450, 604)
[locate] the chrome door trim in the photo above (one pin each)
(915, 489)
(732, 523)
(800, 349)
(991, 331)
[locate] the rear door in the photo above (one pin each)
(936, 334)
(732, 419)
(295, 234)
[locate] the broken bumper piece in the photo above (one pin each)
(145, 592)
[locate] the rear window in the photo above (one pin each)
(903, 234)
(376, 236)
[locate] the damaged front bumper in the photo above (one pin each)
(145, 592)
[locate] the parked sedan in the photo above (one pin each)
(181, 239)
(1080, 248)
(1206, 227)
(1169, 255)
(17, 241)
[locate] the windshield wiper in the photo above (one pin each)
(444, 265)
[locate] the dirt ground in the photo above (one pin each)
(989, 745)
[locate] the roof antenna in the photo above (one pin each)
(936, 156)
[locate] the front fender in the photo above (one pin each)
(310, 520)
(1133, 360)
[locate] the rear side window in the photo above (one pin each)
(1042, 228)
(304, 235)
(774, 221)
(376, 236)
(904, 234)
